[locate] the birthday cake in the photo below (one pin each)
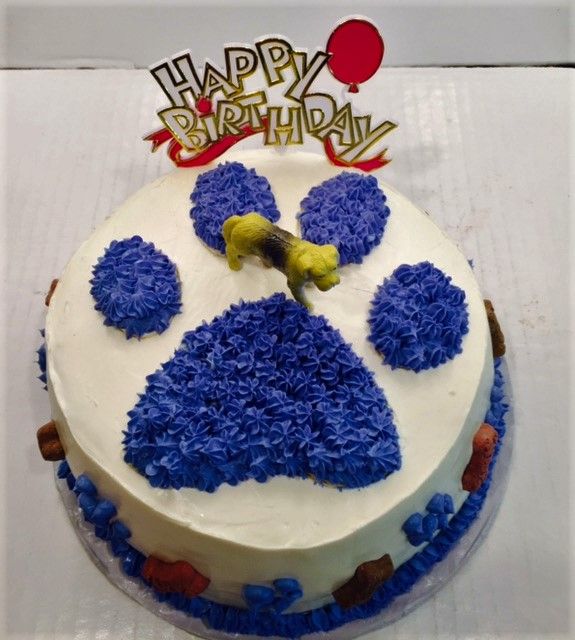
(268, 467)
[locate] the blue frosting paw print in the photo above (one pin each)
(284, 593)
(418, 318)
(136, 287)
(229, 189)
(348, 211)
(265, 389)
(421, 528)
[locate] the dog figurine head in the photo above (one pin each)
(318, 264)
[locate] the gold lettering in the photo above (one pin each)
(240, 63)
(319, 110)
(275, 54)
(209, 123)
(355, 152)
(182, 123)
(251, 102)
(229, 116)
(280, 132)
(178, 77)
(306, 74)
(214, 80)
(342, 126)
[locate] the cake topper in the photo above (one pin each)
(299, 260)
(211, 109)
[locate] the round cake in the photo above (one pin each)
(270, 468)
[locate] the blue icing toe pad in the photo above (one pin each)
(136, 287)
(265, 389)
(348, 211)
(418, 318)
(229, 189)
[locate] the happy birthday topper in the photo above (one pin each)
(211, 110)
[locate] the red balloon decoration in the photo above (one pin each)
(356, 49)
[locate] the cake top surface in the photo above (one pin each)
(430, 408)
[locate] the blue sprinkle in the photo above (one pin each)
(288, 590)
(442, 520)
(418, 318)
(418, 564)
(119, 530)
(71, 481)
(119, 546)
(63, 469)
(229, 189)
(419, 528)
(287, 585)
(41, 353)
(258, 597)
(435, 505)
(133, 562)
(413, 529)
(103, 512)
(430, 524)
(348, 211)
(136, 287)
(101, 531)
(440, 503)
(87, 503)
(85, 485)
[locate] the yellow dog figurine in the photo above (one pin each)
(299, 260)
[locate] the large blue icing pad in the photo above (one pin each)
(265, 389)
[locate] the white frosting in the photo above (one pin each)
(254, 533)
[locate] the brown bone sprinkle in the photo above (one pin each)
(367, 578)
(51, 290)
(484, 442)
(497, 337)
(49, 442)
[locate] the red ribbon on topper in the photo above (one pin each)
(213, 151)
(206, 156)
(365, 165)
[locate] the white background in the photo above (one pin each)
(136, 33)
(488, 152)
(485, 151)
